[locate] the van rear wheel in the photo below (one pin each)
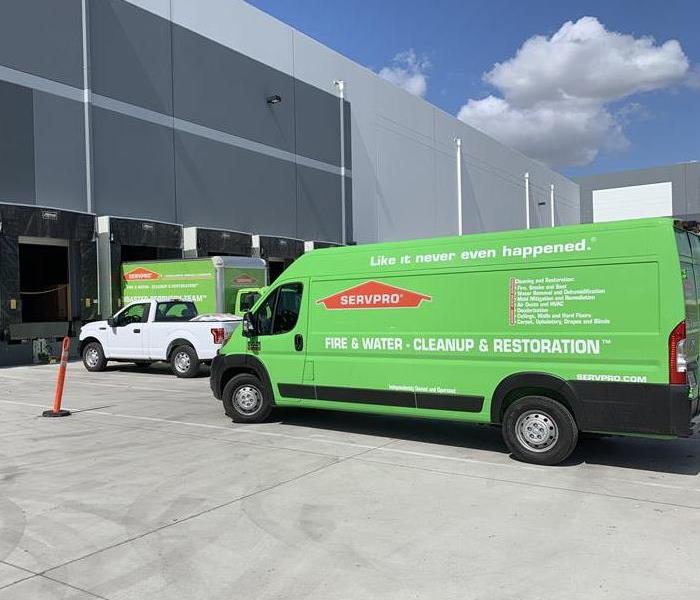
(246, 399)
(539, 430)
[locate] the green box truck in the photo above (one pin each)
(212, 283)
(545, 332)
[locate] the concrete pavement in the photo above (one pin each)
(149, 491)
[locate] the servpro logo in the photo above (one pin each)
(373, 294)
(244, 279)
(141, 274)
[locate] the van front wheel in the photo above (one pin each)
(246, 399)
(539, 430)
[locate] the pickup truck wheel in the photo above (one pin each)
(94, 357)
(246, 399)
(539, 430)
(184, 361)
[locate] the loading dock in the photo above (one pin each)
(279, 252)
(48, 272)
(201, 242)
(123, 239)
(316, 245)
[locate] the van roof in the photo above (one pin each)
(356, 259)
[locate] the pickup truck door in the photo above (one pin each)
(125, 339)
(281, 341)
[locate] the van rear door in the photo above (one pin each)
(689, 251)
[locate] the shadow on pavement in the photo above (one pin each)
(679, 456)
(158, 368)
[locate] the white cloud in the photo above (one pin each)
(409, 72)
(557, 91)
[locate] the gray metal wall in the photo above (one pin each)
(684, 178)
(179, 129)
(403, 170)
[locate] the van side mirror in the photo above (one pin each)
(110, 322)
(249, 329)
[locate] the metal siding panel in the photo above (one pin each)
(674, 173)
(632, 202)
(495, 175)
(132, 167)
(157, 7)
(16, 144)
(230, 93)
(692, 188)
(238, 26)
(347, 109)
(317, 123)
(44, 38)
(130, 55)
(320, 66)
(318, 205)
(413, 114)
(405, 172)
(59, 152)
(349, 211)
(227, 187)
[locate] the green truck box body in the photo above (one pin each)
(447, 328)
(211, 283)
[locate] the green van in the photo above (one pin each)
(545, 332)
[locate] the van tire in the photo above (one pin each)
(246, 399)
(184, 362)
(539, 430)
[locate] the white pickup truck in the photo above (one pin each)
(156, 330)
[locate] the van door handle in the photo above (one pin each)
(137, 331)
(298, 342)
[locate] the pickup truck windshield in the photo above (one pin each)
(168, 312)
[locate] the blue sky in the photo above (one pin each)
(646, 123)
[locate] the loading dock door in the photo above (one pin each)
(279, 252)
(48, 272)
(202, 242)
(276, 267)
(44, 282)
(122, 240)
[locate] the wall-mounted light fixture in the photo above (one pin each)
(276, 99)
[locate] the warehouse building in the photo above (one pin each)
(156, 128)
(671, 190)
